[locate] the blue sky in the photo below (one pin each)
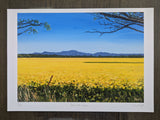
(68, 32)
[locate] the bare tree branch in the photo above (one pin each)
(101, 32)
(132, 19)
(114, 22)
(29, 26)
(29, 29)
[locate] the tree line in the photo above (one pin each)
(62, 56)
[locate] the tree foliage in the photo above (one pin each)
(29, 26)
(113, 22)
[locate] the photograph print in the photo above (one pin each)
(80, 57)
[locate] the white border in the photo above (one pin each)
(13, 105)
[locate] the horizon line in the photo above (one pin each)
(81, 51)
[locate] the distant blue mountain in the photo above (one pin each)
(77, 53)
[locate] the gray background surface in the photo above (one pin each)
(16, 4)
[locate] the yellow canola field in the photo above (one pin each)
(102, 72)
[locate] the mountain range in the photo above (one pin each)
(77, 53)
